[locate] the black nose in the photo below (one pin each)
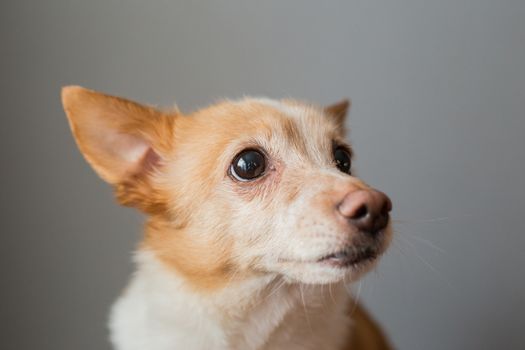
(367, 210)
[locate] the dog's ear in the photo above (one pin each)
(338, 111)
(122, 140)
(118, 137)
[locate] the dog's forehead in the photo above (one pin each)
(289, 130)
(290, 108)
(264, 118)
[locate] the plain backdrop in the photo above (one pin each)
(437, 122)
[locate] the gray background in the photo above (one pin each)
(438, 119)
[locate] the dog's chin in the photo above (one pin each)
(332, 268)
(348, 263)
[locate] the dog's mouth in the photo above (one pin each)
(350, 256)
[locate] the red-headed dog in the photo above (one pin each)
(255, 223)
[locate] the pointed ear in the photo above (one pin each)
(338, 111)
(119, 138)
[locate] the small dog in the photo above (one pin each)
(255, 223)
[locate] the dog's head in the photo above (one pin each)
(238, 189)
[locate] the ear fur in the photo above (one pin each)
(338, 111)
(121, 139)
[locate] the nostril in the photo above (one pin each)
(366, 210)
(381, 222)
(387, 205)
(361, 212)
(385, 209)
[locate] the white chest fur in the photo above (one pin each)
(158, 312)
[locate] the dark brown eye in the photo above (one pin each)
(248, 165)
(342, 160)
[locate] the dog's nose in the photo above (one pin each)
(367, 210)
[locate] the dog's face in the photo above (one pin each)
(238, 189)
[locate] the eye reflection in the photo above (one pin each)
(248, 165)
(342, 160)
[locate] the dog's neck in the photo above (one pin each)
(162, 308)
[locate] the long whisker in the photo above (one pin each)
(421, 221)
(356, 298)
(331, 294)
(276, 287)
(422, 240)
(304, 307)
(429, 265)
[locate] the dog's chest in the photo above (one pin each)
(295, 319)
(154, 315)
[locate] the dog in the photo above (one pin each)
(255, 222)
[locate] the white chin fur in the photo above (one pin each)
(318, 273)
(158, 312)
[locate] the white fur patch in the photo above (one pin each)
(291, 111)
(158, 312)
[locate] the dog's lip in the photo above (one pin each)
(350, 256)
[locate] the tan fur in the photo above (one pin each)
(90, 113)
(207, 264)
(339, 111)
(177, 173)
(367, 335)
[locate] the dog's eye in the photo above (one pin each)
(342, 159)
(248, 165)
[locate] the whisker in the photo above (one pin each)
(331, 294)
(395, 244)
(438, 219)
(422, 240)
(429, 265)
(356, 298)
(276, 287)
(349, 292)
(304, 307)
